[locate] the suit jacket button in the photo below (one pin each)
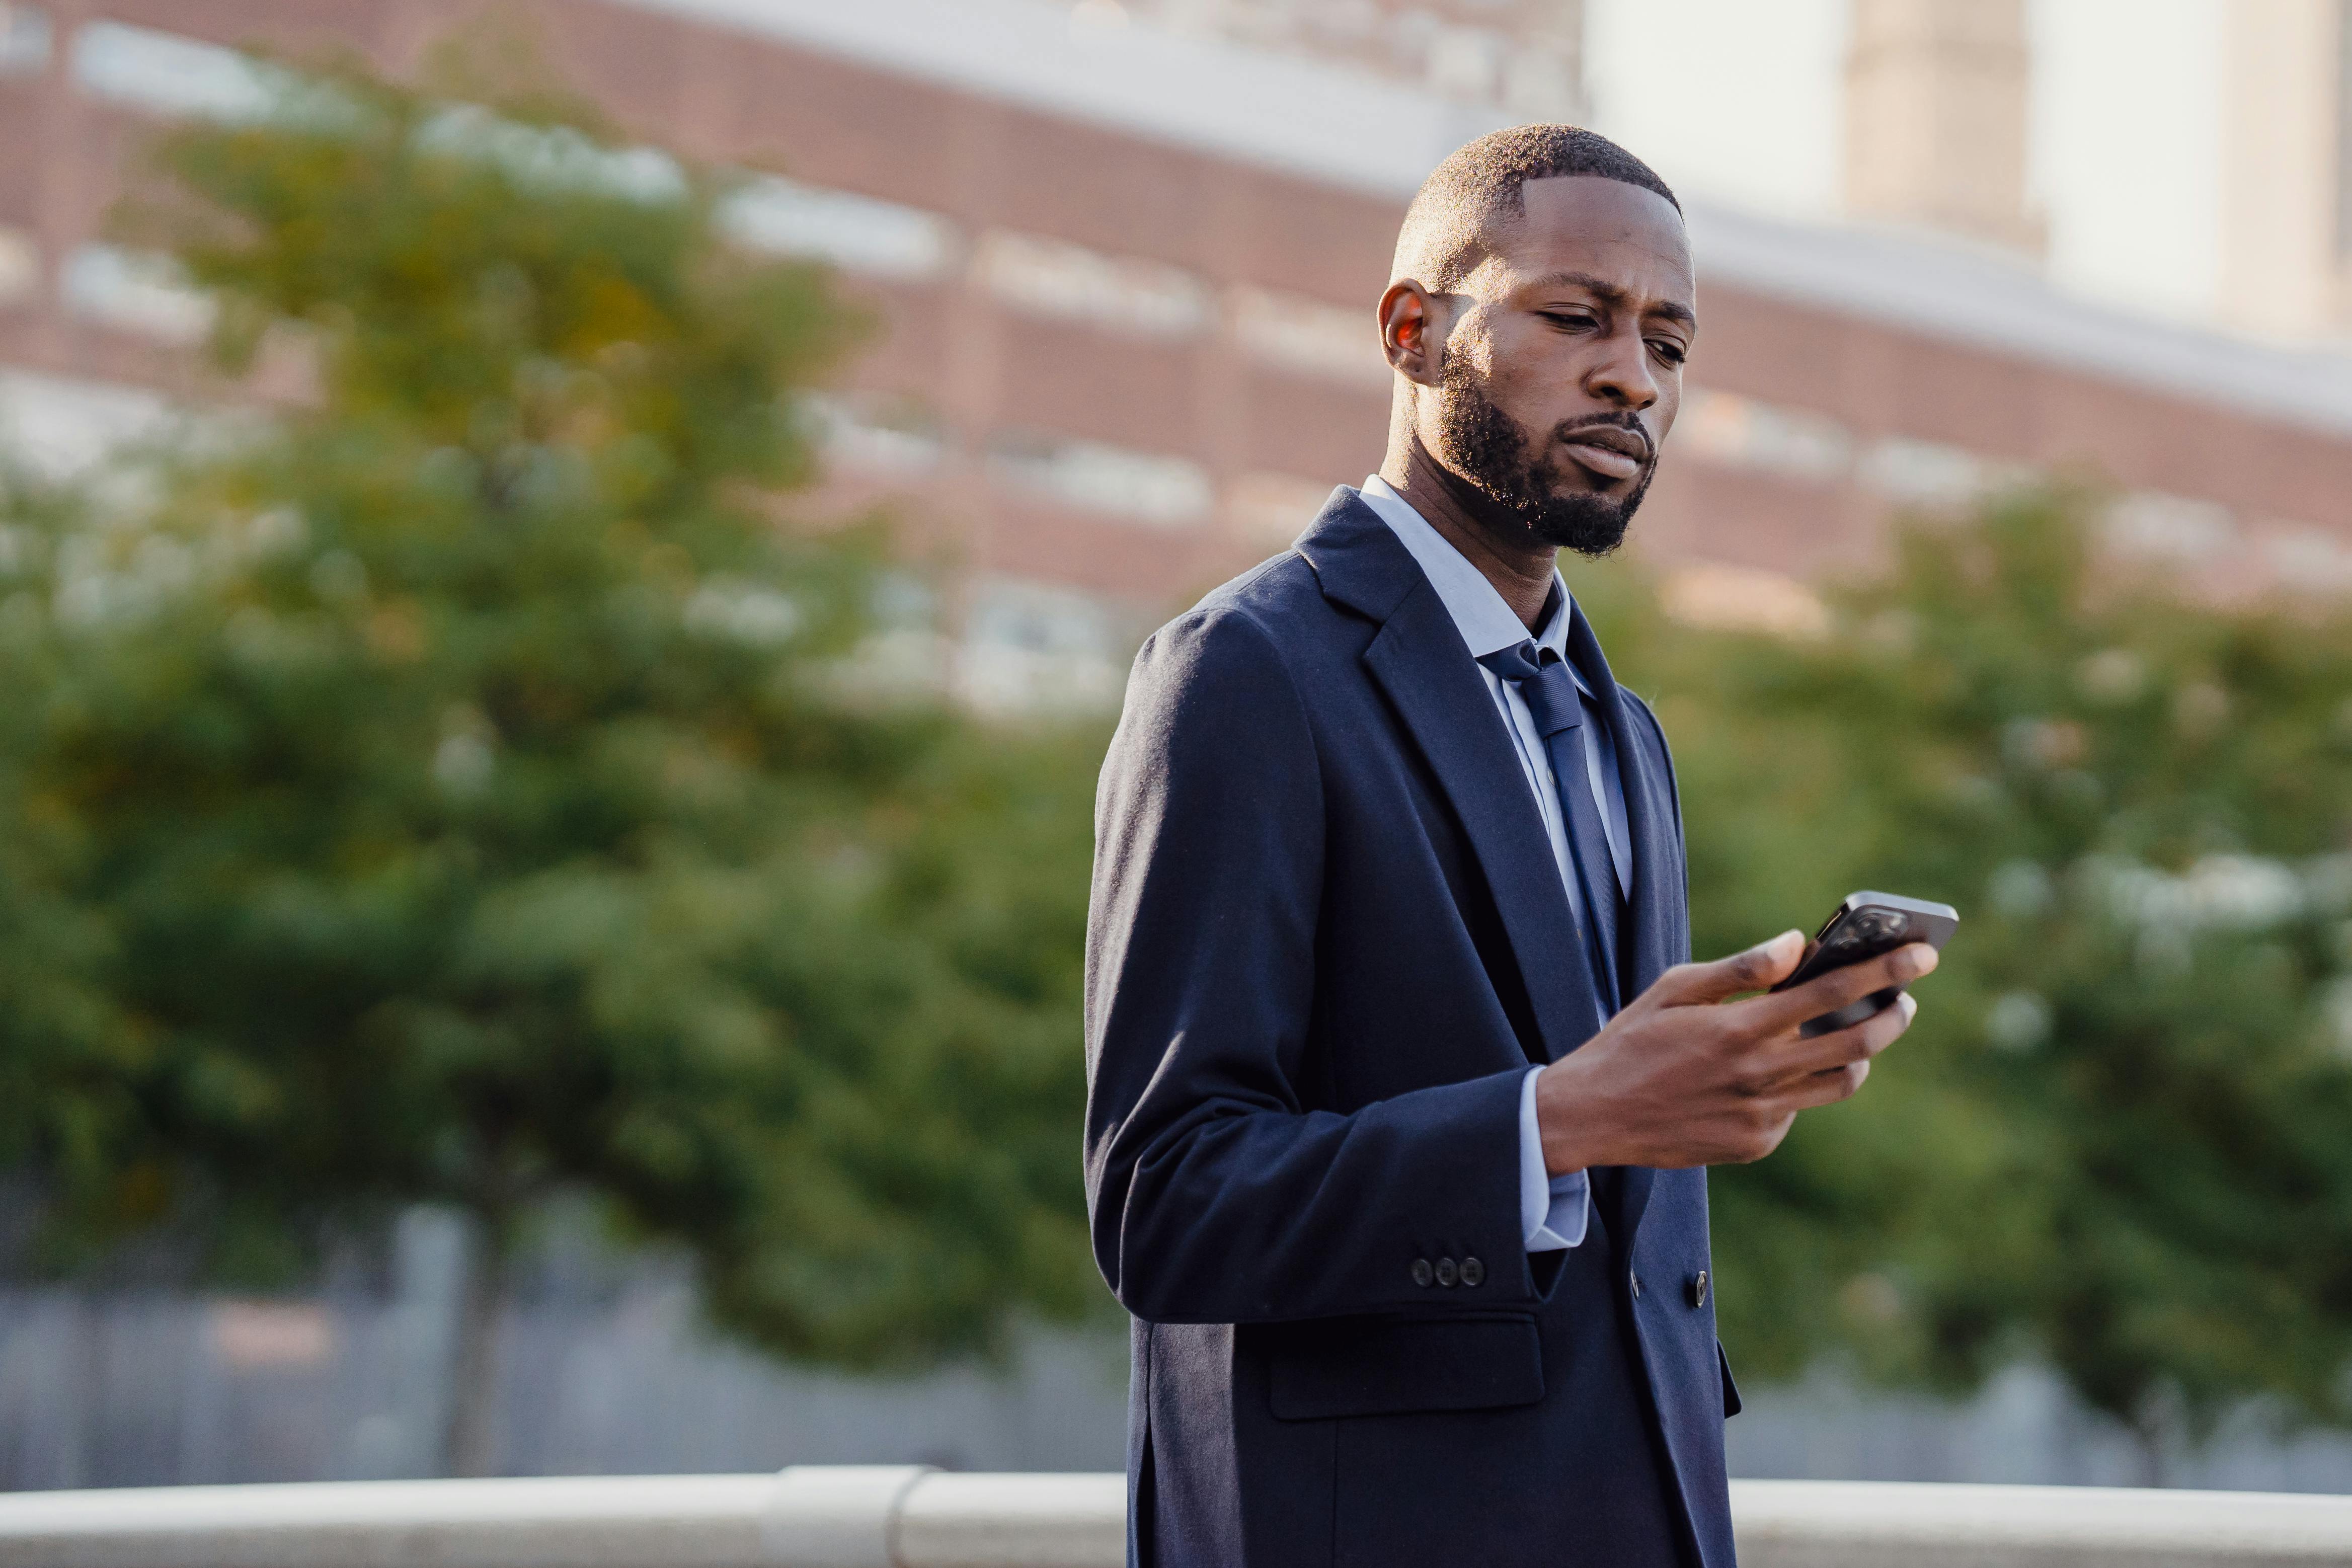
(1447, 1273)
(1698, 1289)
(1422, 1273)
(1473, 1272)
(1636, 1280)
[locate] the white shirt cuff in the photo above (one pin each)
(1552, 1209)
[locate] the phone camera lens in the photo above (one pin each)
(1876, 926)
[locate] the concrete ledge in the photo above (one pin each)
(904, 1516)
(1865, 1525)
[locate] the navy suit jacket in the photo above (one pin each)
(1327, 939)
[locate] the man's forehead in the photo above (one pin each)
(1589, 223)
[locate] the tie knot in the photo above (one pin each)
(1544, 683)
(1523, 662)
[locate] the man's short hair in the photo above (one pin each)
(1442, 240)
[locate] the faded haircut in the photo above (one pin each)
(1444, 232)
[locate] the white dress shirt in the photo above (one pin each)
(1553, 1210)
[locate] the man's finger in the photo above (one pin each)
(1854, 1043)
(1838, 988)
(1829, 1088)
(1766, 964)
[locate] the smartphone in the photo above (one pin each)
(1865, 926)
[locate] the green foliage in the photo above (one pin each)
(2115, 1139)
(459, 787)
(462, 787)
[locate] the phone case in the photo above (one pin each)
(1863, 927)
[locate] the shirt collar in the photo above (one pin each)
(1486, 622)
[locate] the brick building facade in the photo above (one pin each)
(1127, 277)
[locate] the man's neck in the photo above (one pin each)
(1521, 569)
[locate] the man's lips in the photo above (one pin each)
(1608, 451)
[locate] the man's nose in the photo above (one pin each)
(1622, 374)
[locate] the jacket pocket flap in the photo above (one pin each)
(1377, 1366)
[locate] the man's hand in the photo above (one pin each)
(1684, 1077)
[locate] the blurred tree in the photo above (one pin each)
(466, 785)
(2115, 1139)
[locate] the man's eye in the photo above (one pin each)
(1669, 350)
(1567, 319)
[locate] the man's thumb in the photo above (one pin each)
(1765, 964)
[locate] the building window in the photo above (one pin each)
(856, 234)
(1929, 474)
(1741, 432)
(552, 158)
(1031, 646)
(1038, 618)
(1309, 337)
(20, 265)
(1742, 599)
(1144, 487)
(61, 427)
(1747, 433)
(168, 74)
(1120, 294)
(2309, 560)
(878, 434)
(137, 291)
(2168, 527)
(25, 34)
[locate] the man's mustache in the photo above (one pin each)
(1624, 434)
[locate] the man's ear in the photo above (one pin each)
(1412, 331)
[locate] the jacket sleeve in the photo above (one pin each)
(1216, 1197)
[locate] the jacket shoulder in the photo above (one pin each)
(1232, 652)
(1274, 594)
(1253, 625)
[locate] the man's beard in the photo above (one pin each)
(1537, 489)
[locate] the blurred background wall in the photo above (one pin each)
(1125, 259)
(604, 1369)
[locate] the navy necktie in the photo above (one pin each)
(1545, 684)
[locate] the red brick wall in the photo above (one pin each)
(988, 366)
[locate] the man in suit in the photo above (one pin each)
(1401, 1088)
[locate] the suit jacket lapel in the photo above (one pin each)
(1657, 922)
(1419, 661)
